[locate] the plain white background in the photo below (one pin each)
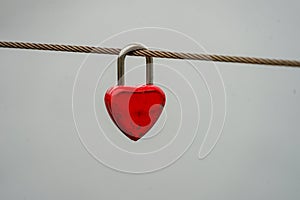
(258, 154)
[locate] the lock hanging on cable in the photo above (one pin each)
(134, 109)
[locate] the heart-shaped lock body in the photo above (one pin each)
(134, 109)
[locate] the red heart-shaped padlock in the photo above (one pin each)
(134, 109)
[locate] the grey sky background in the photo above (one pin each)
(257, 156)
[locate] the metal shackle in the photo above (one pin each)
(121, 61)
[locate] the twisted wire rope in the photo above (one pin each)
(151, 53)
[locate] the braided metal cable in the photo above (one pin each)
(151, 53)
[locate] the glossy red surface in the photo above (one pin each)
(134, 109)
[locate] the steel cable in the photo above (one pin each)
(151, 53)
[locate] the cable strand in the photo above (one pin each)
(152, 53)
